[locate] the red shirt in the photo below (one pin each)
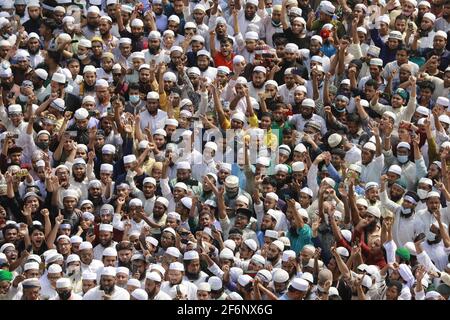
(220, 60)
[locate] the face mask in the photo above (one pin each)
(422, 193)
(403, 159)
(42, 145)
(64, 295)
(73, 269)
(134, 98)
(82, 56)
(430, 236)
(406, 211)
(23, 98)
(269, 11)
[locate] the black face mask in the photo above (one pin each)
(64, 295)
(42, 145)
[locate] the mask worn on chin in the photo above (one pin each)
(430, 236)
(405, 212)
(23, 98)
(82, 56)
(42, 145)
(403, 159)
(422, 194)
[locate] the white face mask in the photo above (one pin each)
(430, 236)
(422, 194)
(82, 56)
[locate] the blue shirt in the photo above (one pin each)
(303, 238)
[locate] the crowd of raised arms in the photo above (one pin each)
(224, 150)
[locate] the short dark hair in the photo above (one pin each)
(266, 114)
(427, 84)
(8, 227)
(134, 86)
(372, 83)
(226, 40)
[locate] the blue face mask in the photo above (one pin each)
(402, 159)
(269, 11)
(134, 98)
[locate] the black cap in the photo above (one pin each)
(413, 195)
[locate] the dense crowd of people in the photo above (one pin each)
(224, 150)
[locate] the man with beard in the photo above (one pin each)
(443, 22)
(31, 289)
(9, 88)
(124, 254)
(175, 25)
(95, 194)
(248, 15)
(175, 276)
(84, 53)
(70, 198)
(257, 85)
(33, 47)
(93, 19)
(153, 116)
(57, 86)
(299, 232)
(271, 25)
(154, 47)
(436, 242)
(307, 115)
(81, 126)
(289, 263)
(20, 7)
(274, 252)
(280, 282)
(289, 60)
(64, 290)
(34, 14)
(105, 237)
(153, 286)
(88, 263)
(160, 17)
(139, 42)
(138, 267)
(193, 272)
(439, 49)
(404, 221)
(10, 234)
(110, 42)
(107, 290)
(241, 221)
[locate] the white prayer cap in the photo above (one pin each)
(429, 16)
(109, 252)
(135, 203)
(443, 101)
(152, 241)
(251, 244)
(258, 259)
(244, 279)
(329, 181)
(63, 236)
(70, 193)
(226, 254)
(106, 227)
(370, 146)
(342, 251)
(215, 283)
(108, 271)
(174, 18)
(153, 276)
(139, 294)
(173, 251)
(424, 3)
(374, 211)
(440, 33)
(106, 167)
(287, 255)
(81, 114)
(85, 245)
(279, 245)
(63, 283)
(31, 266)
(177, 266)
(138, 23)
(41, 73)
(347, 234)
(134, 283)
(169, 76)
(230, 244)
(85, 43)
(376, 62)
(291, 48)
(72, 258)
(59, 78)
(300, 284)
(280, 275)
(191, 255)
(395, 35)
(129, 159)
(93, 9)
(54, 268)
(238, 59)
